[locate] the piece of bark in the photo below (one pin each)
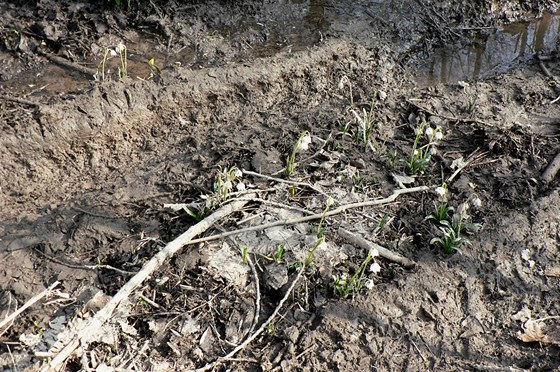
(383, 252)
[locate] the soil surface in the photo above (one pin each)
(123, 126)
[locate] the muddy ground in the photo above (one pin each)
(87, 168)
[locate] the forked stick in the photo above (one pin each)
(85, 335)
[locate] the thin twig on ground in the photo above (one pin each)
(548, 74)
(31, 302)
(261, 329)
(86, 334)
(368, 203)
(450, 118)
(474, 156)
(21, 101)
(69, 64)
(295, 183)
(257, 312)
(383, 252)
(279, 205)
(83, 267)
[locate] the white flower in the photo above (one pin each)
(416, 153)
(369, 284)
(228, 185)
(433, 150)
(330, 201)
(458, 163)
(374, 268)
(343, 82)
(439, 134)
(477, 203)
(429, 132)
(112, 52)
(322, 246)
(120, 47)
(382, 95)
(238, 173)
(441, 191)
(240, 186)
(304, 142)
(373, 252)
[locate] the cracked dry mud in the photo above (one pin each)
(87, 166)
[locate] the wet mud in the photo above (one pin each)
(111, 115)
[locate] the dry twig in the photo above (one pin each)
(474, 156)
(69, 64)
(261, 329)
(295, 183)
(450, 118)
(21, 101)
(550, 172)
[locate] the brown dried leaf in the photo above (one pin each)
(536, 330)
(533, 331)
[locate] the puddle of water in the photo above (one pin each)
(497, 53)
(298, 25)
(49, 78)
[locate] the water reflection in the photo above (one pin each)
(495, 54)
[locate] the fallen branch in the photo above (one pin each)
(383, 252)
(547, 73)
(368, 203)
(474, 156)
(550, 172)
(85, 335)
(32, 300)
(69, 64)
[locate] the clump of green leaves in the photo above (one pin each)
(346, 284)
(420, 155)
(442, 210)
(365, 123)
(451, 224)
(224, 183)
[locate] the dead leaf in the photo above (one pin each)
(537, 330)
(533, 331)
